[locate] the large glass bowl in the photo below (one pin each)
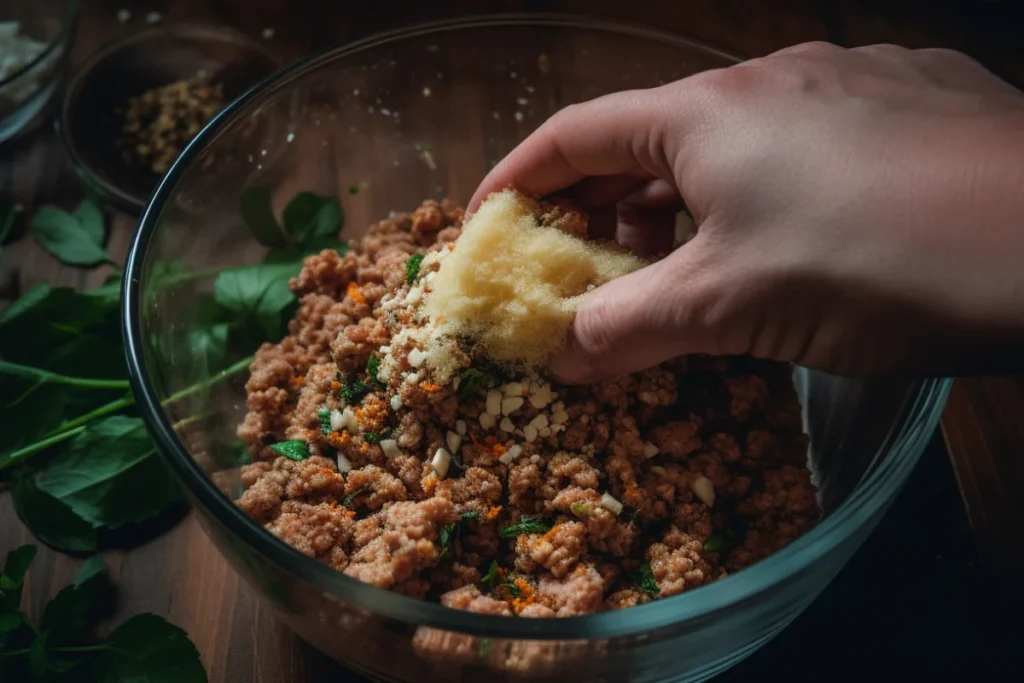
(384, 123)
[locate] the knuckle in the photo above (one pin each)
(595, 330)
(814, 48)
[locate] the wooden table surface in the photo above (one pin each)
(181, 576)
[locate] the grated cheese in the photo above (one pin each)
(513, 285)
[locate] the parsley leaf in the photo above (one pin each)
(347, 500)
(309, 216)
(325, 419)
(528, 524)
(373, 367)
(484, 648)
(13, 576)
(67, 617)
(446, 535)
(294, 450)
(469, 381)
(644, 580)
(77, 239)
(472, 514)
(258, 293)
(513, 589)
(355, 392)
(259, 216)
(716, 542)
(100, 474)
(50, 519)
(375, 438)
(147, 648)
(491, 575)
(412, 267)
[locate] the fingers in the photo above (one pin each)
(614, 135)
(634, 322)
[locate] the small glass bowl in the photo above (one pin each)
(89, 125)
(383, 123)
(35, 41)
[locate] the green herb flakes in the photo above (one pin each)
(644, 580)
(528, 524)
(294, 450)
(492, 574)
(412, 267)
(485, 648)
(470, 380)
(325, 419)
(347, 500)
(373, 367)
(715, 543)
(446, 535)
(355, 392)
(472, 514)
(375, 438)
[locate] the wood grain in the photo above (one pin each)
(181, 576)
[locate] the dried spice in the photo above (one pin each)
(160, 122)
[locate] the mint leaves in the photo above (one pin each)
(311, 222)
(144, 648)
(74, 238)
(528, 524)
(294, 450)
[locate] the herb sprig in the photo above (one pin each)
(644, 580)
(60, 646)
(528, 524)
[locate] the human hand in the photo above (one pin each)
(859, 211)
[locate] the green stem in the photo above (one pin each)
(77, 426)
(106, 409)
(14, 457)
(30, 372)
(64, 650)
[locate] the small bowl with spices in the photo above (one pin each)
(35, 40)
(135, 105)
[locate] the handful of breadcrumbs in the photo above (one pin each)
(160, 122)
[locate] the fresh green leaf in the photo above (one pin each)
(100, 474)
(528, 524)
(209, 345)
(36, 408)
(472, 514)
(52, 521)
(373, 367)
(295, 450)
(62, 235)
(68, 615)
(469, 381)
(492, 574)
(37, 657)
(375, 438)
(16, 566)
(259, 216)
(355, 392)
(259, 292)
(347, 500)
(90, 218)
(446, 535)
(325, 419)
(309, 216)
(644, 580)
(147, 649)
(412, 267)
(512, 589)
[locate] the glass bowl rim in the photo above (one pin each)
(716, 598)
(67, 31)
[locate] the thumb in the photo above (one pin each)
(632, 323)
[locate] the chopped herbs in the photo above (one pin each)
(373, 367)
(375, 438)
(412, 267)
(355, 392)
(528, 524)
(470, 381)
(512, 589)
(472, 514)
(485, 648)
(716, 543)
(581, 509)
(294, 450)
(491, 575)
(447, 533)
(347, 500)
(644, 580)
(325, 419)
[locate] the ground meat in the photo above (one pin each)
(557, 550)
(416, 483)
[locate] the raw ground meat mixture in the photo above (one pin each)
(497, 491)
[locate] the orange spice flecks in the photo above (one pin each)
(550, 535)
(335, 385)
(525, 597)
(429, 484)
(365, 448)
(338, 440)
(355, 292)
(494, 512)
(427, 386)
(298, 381)
(499, 450)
